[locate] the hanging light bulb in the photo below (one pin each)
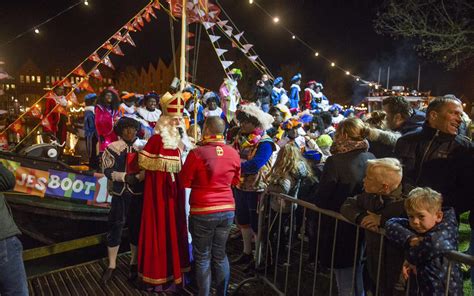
(332, 64)
(370, 84)
(293, 37)
(250, 1)
(276, 19)
(316, 54)
(37, 31)
(86, 3)
(348, 73)
(357, 78)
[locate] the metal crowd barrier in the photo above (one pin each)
(287, 278)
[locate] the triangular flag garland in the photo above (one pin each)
(128, 39)
(139, 20)
(79, 71)
(208, 25)
(151, 12)
(220, 51)
(234, 45)
(147, 16)
(136, 25)
(214, 38)
(237, 36)
(94, 57)
(106, 61)
(228, 32)
(117, 36)
(72, 98)
(222, 23)
(85, 85)
(96, 74)
(66, 83)
(130, 27)
(117, 50)
(226, 64)
(253, 58)
(246, 47)
(107, 45)
(156, 5)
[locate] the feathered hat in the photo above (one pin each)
(284, 109)
(263, 118)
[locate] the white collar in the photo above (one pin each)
(150, 116)
(128, 110)
(297, 86)
(90, 108)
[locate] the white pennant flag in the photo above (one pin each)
(253, 58)
(214, 38)
(226, 64)
(201, 13)
(212, 14)
(220, 51)
(222, 23)
(208, 25)
(228, 27)
(228, 32)
(237, 36)
(246, 47)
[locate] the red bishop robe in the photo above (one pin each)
(163, 245)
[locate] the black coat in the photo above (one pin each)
(342, 177)
(440, 161)
(263, 93)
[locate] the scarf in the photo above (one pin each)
(345, 146)
(252, 139)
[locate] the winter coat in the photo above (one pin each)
(263, 93)
(437, 160)
(428, 256)
(387, 206)
(342, 177)
(89, 122)
(8, 227)
(104, 124)
(413, 123)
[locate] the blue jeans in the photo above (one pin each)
(265, 107)
(12, 270)
(209, 233)
(344, 281)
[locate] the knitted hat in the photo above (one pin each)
(277, 81)
(296, 78)
(324, 141)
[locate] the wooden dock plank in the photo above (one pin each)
(71, 287)
(45, 286)
(91, 281)
(121, 282)
(77, 282)
(61, 284)
(53, 284)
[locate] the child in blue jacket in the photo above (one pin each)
(427, 234)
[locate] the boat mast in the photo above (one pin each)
(182, 66)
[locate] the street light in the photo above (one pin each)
(250, 1)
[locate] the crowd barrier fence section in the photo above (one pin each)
(284, 244)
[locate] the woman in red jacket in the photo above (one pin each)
(106, 114)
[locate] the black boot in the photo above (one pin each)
(133, 272)
(107, 275)
(242, 259)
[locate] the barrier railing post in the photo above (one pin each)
(377, 285)
(332, 257)
(448, 279)
(302, 233)
(354, 270)
(288, 256)
(317, 254)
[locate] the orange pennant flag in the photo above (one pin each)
(150, 11)
(94, 57)
(128, 39)
(117, 50)
(96, 74)
(85, 85)
(18, 128)
(117, 36)
(66, 83)
(79, 72)
(156, 4)
(107, 45)
(130, 27)
(139, 20)
(72, 98)
(136, 25)
(106, 61)
(35, 111)
(146, 16)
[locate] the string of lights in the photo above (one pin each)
(36, 29)
(317, 54)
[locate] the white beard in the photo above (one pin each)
(169, 133)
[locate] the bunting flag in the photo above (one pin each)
(96, 74)
(156, 5)
(208, 25)
(139, 20)
(117, 36)
(204, 5)
(130, 27)
(45, 123)
(136, 25)
(220, 51)
(66, 83)
(190, 35)
(85, 85)
(94, 57)
(234, 45)
(151, 11)
(237, 36)
(79, 72)
(71, 97)
(226, 64)
(18, 128)
(35, 111)
(189, 47)
(128, 39)
(214, 38)
(246, 47)
(222, 23)
(117, 50)
(228, 32)
(106, 61)
(107, 45)
(253, 58)
(213, 14)
(146, 16)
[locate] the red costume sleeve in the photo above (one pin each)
(52, 118)
(187, 173)
(307, 99)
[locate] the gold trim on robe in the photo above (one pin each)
(158, 162)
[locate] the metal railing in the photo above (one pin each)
(278, 235)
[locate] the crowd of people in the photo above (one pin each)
(173, 171)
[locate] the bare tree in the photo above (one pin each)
(442, 30)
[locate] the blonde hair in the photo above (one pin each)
(386, 171)
(287, 163)
(354, 128)
(423, 198)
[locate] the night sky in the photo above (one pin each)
(339, 29)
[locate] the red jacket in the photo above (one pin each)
(210, 171)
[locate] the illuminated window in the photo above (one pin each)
(27, 78)
(48, 79)
(7, 86)
(38, 79)
(13, 86)
(22, 78)
(53, 79)
(57, 78)
(33, 78)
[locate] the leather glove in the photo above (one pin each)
(131, 179)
